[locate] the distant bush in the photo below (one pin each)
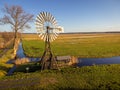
(7, 36)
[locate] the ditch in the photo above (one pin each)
(82, 61)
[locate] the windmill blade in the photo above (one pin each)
(39, 28)
(49, 16)
(39, 19)
(52, 37)
(54, 22)
(51, 19)
(43, 16)
(38, 24)
(56, 34)
(45, 21)
(40, 34)
(45, 35)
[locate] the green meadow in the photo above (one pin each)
(103, 77)
(79, 45)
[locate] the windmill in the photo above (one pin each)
(48, 30)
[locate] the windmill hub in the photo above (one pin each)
(48, 28)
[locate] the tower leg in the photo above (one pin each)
(48, 61)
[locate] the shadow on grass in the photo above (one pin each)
(4, 68)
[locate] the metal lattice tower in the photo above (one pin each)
(48, 30)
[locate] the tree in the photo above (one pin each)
(17, 18)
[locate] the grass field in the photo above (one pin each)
(104, 77)
(101, 77)
(80, 45)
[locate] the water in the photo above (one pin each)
(20, 52)
(97, 61)
(34, 59)
(10, 72)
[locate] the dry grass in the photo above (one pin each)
(3, 66)
(21, 61)
(35, 36)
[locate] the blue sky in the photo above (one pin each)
(74, 15)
